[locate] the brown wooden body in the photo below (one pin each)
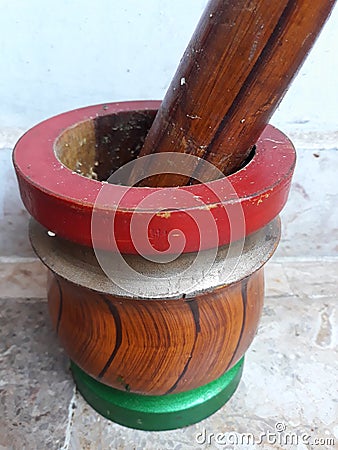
(235, 71)
(155, 346)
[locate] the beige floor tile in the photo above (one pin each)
(313, 278)
(22, 278)
(289, 381)
(35, 384)
(276, 282)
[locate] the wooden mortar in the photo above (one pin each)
(167, 355)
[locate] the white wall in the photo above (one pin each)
(56, 56)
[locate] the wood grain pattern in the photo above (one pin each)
(155, 346)
(235, 71)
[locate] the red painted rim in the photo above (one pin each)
(63, 201)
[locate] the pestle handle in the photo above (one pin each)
(231, 78)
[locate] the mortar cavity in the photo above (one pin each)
(97, 147)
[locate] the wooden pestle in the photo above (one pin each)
(231, 78)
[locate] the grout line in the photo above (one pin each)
(303, 259)
(310, 139)
(71, 411)
(276, 260)
(299, 296)
(30, 299)
(18, 259)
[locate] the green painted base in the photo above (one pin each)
(155, 413)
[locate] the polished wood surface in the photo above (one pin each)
(236, 69)
(155, 346)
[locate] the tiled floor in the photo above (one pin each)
(290, 376)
